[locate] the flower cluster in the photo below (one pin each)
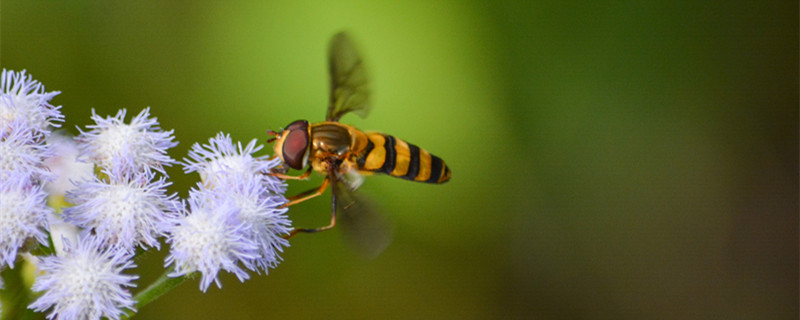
(26, 116)
(99, 198)
(124, 206)
(234, 217)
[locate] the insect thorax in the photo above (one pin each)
(330, 140)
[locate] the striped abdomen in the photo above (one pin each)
(392, 156)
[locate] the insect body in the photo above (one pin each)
(341, 151)
(322, 144)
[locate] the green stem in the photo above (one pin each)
(158, 288)
(16, 296)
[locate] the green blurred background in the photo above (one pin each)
(620, 159)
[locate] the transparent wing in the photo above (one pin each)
(364, 228)
(349, 82)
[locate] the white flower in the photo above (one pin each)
(135, 147)
(24, 99)
(23, 215)
(22, 152)
(126, 212)
(209, 239)
(261, 210)
(221, 163)
(85, 283)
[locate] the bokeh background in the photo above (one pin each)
(611, 159)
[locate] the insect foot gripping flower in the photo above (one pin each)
(136, 147)
(123, 212)
(210, 238)
(24, 99)
(85, 283)
(221, 163)
(23, 215)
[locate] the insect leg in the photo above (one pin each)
(331, 225)
(332, 169)
(308, 194)
(288, 177)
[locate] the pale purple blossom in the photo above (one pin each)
(137, 146)
(86, 282)
(24, 99)
(209, 238)
(222, 163)
(237, 185)
(128, 212)
(22, 151)
(261, 210)
(23, 215)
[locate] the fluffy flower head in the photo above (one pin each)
(85, 283)
(22, 152)
(209, 239)
(223, 163)
(23, 215)
(138, 146)
(125, 212)
(260, 209)
(24, 99)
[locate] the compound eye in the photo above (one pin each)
(298, 125)
(295, 145)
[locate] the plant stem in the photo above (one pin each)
(158, 288)
(16, 295)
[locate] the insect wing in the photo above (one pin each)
(364, 228)
(349, 82)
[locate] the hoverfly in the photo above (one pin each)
(343, 153)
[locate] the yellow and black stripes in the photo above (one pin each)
(395, 157)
